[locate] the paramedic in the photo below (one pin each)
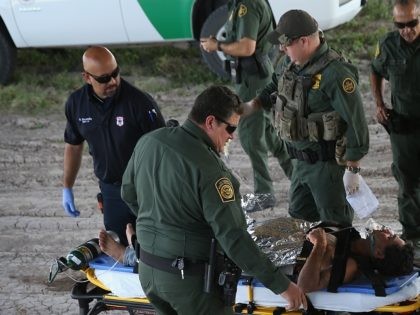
(110, 115)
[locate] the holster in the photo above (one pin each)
(401, 124)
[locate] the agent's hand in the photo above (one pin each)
(351, 182)
(382, 113)
(208, 44)
(295, 296)
(68, 203)
(250, 107)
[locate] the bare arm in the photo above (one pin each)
(312, 277)
(377, 87)
(245, 47)
(72, 162)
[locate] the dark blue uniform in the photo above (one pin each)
(111, 128)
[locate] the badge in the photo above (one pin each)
(349, 86)
(225, 189)
(242, 10)
(120, 121)
(316, 80)
(377, 51)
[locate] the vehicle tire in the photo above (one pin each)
(214, 26)
(7, 57)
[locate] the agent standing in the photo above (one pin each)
(246, 49)
(318, 108)
(110, 115)
(184, 196)
(397, 60)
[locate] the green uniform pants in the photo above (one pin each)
(406, 170)
(258, 136)
(317, 193)
(172, 295)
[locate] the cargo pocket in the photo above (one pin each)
(330, 125)
(288, 124)
(315, 127)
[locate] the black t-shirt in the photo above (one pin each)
(111, 128)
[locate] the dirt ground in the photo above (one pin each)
(34, 228)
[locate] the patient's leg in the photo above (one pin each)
(110, 247)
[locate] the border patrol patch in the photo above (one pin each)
(243, 10)
(349, 86)
(225, 189)
(316, 80)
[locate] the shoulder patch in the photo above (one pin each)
(349, 86)
(225, 189)
(243, 10)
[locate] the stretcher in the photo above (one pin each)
(114, 286)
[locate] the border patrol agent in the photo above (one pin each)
(184, 196)
(397, 60)
(110, 115)
(246, 49)
(318, 109)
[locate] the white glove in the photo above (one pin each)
(351, 182)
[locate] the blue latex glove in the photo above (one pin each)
(68, 203)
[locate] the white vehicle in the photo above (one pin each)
(64, 23)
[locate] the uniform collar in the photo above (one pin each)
(194, 130)
(321, 50)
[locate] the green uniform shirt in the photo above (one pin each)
(251, 19)
(183, 195)
(335, 88)
(399, 63)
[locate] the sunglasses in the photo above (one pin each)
(229, 127)
(409, 24)
(103, 79)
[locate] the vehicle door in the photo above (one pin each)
(45, 23)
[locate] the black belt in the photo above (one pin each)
(327, 153)
(167, 264)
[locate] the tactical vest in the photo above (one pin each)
(293, 120)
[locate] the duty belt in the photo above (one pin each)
(173, 265)
(326, 153)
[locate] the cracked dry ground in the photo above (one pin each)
(34, 229)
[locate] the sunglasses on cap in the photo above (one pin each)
(229, 127)
(102, 79)
(409, 24)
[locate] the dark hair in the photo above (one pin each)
(397, 261)
(217, 100)
(406, 2)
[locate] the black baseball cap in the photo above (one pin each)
(293, 24)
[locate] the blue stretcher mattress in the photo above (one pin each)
(357, 296)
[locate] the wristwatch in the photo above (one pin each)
(353, 169)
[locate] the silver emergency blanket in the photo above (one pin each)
(280, 239)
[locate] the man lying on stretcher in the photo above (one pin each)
(336, 256)
(327, 250)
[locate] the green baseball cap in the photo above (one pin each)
(293, 24)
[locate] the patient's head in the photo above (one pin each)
(391, 255)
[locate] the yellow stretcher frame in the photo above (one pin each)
(405, 307)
